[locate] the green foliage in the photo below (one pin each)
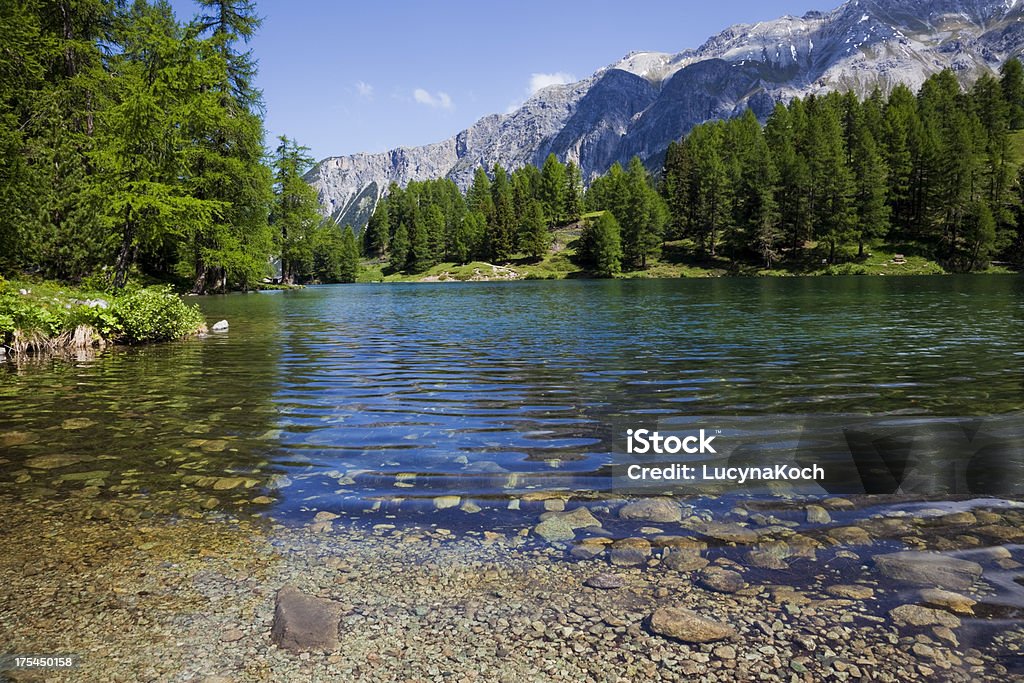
(296, 211)
(830, 171)
(601, 245)
(131, 316)
(132, 141)
(154, 314)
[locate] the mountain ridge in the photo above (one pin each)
(640, 103)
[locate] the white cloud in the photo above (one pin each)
(364, 89)
(539, 81)
(439, 100)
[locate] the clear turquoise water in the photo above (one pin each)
(487, 390)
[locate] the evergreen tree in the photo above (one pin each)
(573, 206)
(831, 180)
(553, 186)
(600, 245)
(870, 176)
(1013, 92)
(295, 214)
(349, 266)
(142, 140)
(229, 167)
(501, 233)
(535, 240)
(420, 251)
(479, 197)
(400, 247)
(899, 123)
(378, 231)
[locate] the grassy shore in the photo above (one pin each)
(680, 259)
(41, 316)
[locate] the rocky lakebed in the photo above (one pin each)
(559, 589)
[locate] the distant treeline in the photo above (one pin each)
(131, 141)
(937, 171)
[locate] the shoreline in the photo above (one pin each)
(196, 598)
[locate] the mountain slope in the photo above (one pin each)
(639, 104)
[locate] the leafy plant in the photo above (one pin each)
(154, 314)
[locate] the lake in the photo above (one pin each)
(435, 462)
(365, 396)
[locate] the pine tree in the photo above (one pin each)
(573, 206)
(479, 198)
(1013, 92)
(229, 146)
(400, 248)
(295, 216)
(142, 139)
(349, 266)
(553, 185)
(900, 120)
(831, 179)
(420, 250)
(601, 245)
(377, 231)
(535, 240)
(501, 233)
(870, 176)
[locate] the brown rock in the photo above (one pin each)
(947, 600)
(629, 551)
(928, 569)
(915, 615)
(305, 622)
(659, 510)
(721, 580)
(688, 626)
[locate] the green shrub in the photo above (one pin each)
(154, 314)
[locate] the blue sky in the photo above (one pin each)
(345, 77)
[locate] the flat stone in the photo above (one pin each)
(324, 516)
(728, 532)
(850, 592)
(85, 476)
(445, 502)
(577, 518)
(51, 462)
(628, 552)
(850, 535)
(818, 515)
(227, 483)
(947, 600)
(687, 626)
(589, 548)
(232, 635)
(76, 423)
(915, 615)
(721, 580)
(305, 622)
(605, 581)
(220, 326)
(928, 569)
(683, 560)
(659, 510)
(554, 530)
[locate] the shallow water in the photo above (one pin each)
(396, 394)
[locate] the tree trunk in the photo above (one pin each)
(125, 256)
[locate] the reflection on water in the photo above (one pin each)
(339, 397)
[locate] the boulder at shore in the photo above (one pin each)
(305, 622)
(688, 626)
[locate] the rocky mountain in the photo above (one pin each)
(639, 104)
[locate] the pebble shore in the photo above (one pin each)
(144, 597)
